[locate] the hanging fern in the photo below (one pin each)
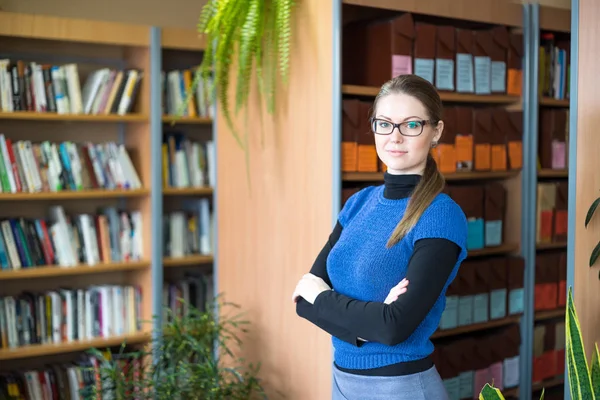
(258, 32)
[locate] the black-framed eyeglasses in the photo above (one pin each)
(406, 128)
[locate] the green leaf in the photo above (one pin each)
(490, 393)
(596, 372)
(579, 376)
(542, 395)
(591, 211)
(595, 254)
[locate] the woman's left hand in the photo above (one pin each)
(309, 287)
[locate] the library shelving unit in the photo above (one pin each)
(86, 178)
(551, 116)
(76, 188)
(480, 155)
(187, 179)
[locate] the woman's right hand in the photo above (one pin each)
(396, 291)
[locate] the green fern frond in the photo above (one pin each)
(232, 14)
(247, 49)
(206, 15)
(270, 60)
(283, 15)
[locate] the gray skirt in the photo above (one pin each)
(426, 385)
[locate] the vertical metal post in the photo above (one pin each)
(574, 79)
(529, 192)
(156, 199)
(336, 109)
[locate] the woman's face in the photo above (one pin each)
(400, 153)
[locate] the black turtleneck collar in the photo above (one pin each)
(399, 186)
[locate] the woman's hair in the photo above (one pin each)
(432, 182)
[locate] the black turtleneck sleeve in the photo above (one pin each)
(348, 319)
(306, 310)
(428, 270)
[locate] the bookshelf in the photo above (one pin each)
(188, 178)
(96, 229)
(75, 184)
(486, 188)
(551, 117)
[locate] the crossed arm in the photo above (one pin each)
(348, 319)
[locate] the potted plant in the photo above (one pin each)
(584, 379)
(193, 358)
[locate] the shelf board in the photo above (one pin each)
(73, 195)
(476, 327)
(549, 314)
(52, 271)
(41, 116)
(456, 176)
(549, 383)
(551, 246)
(489, 12)
(187, 120)
(450, 97)
(553, 173)
(41, 350)
(494, 251)
(550, 102)
(196, 259)
(192, 191)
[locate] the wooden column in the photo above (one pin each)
(586, 280)
(270, 233)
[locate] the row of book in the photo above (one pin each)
(66, 315)
(467, 364)
(64, 241)
(189, 230)
(552, 212)
(474, 139)
(195, 291)
(480, 61)
(31, 86)
(484, 290)
(27, 167)
(187, 162)
(182, 97)
(554, 66)
(550, 280)
(69, 381)
(548, 350)
(553, 143)
(485, 207)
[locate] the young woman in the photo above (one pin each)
(403, 237)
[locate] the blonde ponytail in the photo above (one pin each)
(431, 184)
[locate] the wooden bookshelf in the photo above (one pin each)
(552, 173)
(370, 91)
(193, 191)
(550, 102)
(186, 261)
(75, 195)
(551, 246)
(120, 136)
(549, 314)
(183, 265)
(186, 120)
(71, 347)
(477, 327)
(48, 116)
(455, 177)
(504, 249)
(553, 126)
(53, 271)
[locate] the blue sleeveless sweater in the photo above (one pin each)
(360, 266)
